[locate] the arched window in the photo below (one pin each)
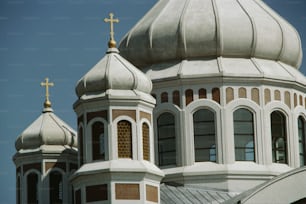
(204, 135)
(176, 98)
(146, 141)
(32, 188)
(189, 96)
(124, 129)
(202, 93)
(216, 94)
(166, 139)
(302, 138)
(81, 148)
(164, 97)
(56, 187)
(98, 146)
(279, 137)
(18, 190)
(244, 135)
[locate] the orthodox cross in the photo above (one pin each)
(47, 84)
(111, 20)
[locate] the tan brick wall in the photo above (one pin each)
(152, 193)
(127, 191)
(130, 113)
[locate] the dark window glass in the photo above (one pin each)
(301, 128)
(78, 197)
(166, 140)
(204, 135)
(279, 137)
(32, 188)
(98, 147)
(81, 148)
(56, 187)
(18, 190)
(244, 135)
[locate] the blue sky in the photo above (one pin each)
(62, 40)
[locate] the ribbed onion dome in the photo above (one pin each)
(113, 72)
(47, 129)
(186, 29)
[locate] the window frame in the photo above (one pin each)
(175, 138)
(274, 148)
(252, 133)
(302, 140)
(214, 134)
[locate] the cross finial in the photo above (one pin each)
(111, 20)
(47, 103)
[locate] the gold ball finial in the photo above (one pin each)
(112, 44)
(47, 104)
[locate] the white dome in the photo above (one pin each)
(47, 129)
(113, 72)
(174, 30)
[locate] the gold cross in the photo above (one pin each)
(47, 103)
(111, 20)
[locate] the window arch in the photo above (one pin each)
(98, 138)
(204, 136)
(124, 131)
(279, 137)
(146, 141)
(302, 138)
(244, 135)
(32, 188)
(166, 139)
(56, 187)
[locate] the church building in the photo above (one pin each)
(202, 102)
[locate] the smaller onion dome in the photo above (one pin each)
(113, 72)
(47, 129)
